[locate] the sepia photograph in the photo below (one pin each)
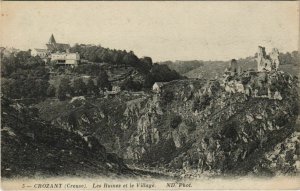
(150, 95)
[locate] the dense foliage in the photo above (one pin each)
(78, 87)
(160, 73)
(24, 76)
(64, 89)
(130, 84)
(98, 54)
(290, 58)
(91, 69)
(102, 81)
(96, 59)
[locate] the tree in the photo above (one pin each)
(8, 65)
(117, 58)
(149, 81)
(285, 58)
(22, 56)
(51, 91)
(79, 87)
(91, 87)
(61, 93)
(296, 58)
(130, 84)
(147, 60)
(104, 56)
(102, 81)
(10, 88)
(63, 89)
(41, 87)
(28, 77)
(162, 73)
(130, 59)
(33, 62)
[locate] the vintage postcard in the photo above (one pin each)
(149, 95)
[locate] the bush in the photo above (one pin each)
(92, 88)
(130, 84)
(79, 87)
(25, 76)
(102, 81)
(63, 89)
(175, 120)
(160, 73)
(51, 91)
(167, 96)
(201, 103)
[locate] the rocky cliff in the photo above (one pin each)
(33, 147)
(224, 126)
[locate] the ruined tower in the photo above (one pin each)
(267, 62)
(274, 55)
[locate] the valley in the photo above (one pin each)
(143, 119)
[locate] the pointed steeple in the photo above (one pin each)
(52, 40)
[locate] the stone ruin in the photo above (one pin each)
(232, 80)
(235, 67)
(267, 62)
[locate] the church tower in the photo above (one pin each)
(52, 40)
(53, 46)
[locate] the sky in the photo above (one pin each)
(162, 30)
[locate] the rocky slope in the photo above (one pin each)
(31, 147)
(227, 126)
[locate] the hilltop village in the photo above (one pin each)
(58, 53)
(87, 70)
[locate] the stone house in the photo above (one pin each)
(116, 88)
(70, 59)
(157, 87)
(42, 53)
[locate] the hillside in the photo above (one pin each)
(122, 65)
(26, 77)
(208, 126)
(30, 146)
(183, 67)
(208, 70)
(290, 63)
(216, 69)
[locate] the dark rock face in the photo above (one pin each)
(220, 126)
(31, 146)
